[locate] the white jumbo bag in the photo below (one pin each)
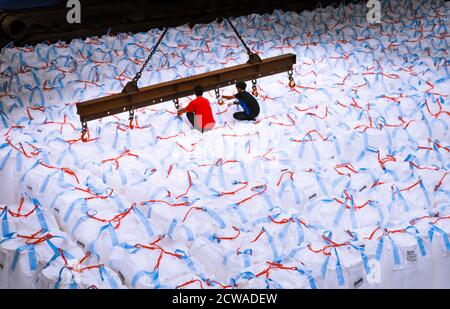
(20, 265)
(439, 235)
(203, 220)
(4, 271)
(129, 232)
(82, 270)
(356, 260)
(385, 256)
(46, 183)
(416, 254)
(264, 247)
(147, 266)
(335, 265)
(105, 278)
(177, 265)
(29, 216)
(72, 275)
(22, 244)
(210, 255)
(232, 262)
(62, 203)
(258, 276)
(131, 266)
(5, 265)
(9, 194)
(57, 275)
(291, 232)
(271, 275)
(345, 269)
(322, 264)
(27, 254)
(401, 259)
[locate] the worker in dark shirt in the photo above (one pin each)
(247, 102)
(199, 112)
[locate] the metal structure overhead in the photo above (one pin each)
(172, 90)
(48, 23)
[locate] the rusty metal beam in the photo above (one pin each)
(171, 90)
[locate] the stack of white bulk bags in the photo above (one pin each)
(341, 181)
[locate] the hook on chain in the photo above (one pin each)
(131, 118)
(84, 132)
(218, 97)
(291, 80)
(254, 89)
(176, 102)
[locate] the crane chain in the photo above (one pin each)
(132, 85)
(252, 57)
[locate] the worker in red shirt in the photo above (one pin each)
(199, 112)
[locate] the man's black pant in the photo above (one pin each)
(243, 116)
(191, 117)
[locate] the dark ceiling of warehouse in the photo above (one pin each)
(34, 21)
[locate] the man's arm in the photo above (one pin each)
(228, 97)
(189, 108)
(181, 111)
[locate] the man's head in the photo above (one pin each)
(198, 90)
(240, 86)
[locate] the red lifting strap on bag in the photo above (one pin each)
(66, 170)
(33, 239)
(116, 219)
(230, 237)
(125, 153)
(19, 209)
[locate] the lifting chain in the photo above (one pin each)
(252, 57)
(84, 132)
(291, 79)
(131, 118)
(176, 102)
(254, 89)
(219, 99)
(132, 85)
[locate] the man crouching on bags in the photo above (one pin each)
(199, 112)
(246, 101)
